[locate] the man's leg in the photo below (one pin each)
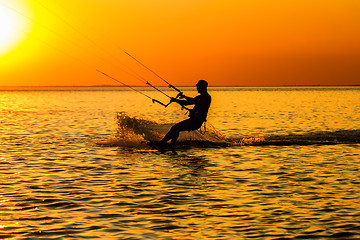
(173, 134)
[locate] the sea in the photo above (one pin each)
(270, 163)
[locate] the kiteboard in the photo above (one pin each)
(161, 148)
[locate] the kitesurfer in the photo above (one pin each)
(197, 115)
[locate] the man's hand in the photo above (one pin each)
(180, 95)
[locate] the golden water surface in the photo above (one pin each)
(56, 183)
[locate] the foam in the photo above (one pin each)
(133, 132)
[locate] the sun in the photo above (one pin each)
(14, 24)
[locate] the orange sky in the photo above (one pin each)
(227, 42)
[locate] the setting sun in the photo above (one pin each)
(13, 24)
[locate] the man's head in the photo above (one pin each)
(202, 86)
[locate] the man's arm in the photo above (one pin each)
(187, 101)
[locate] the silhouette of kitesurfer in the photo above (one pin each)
(197, 115)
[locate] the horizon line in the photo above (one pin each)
(121, 86)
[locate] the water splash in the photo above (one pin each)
(132, 132)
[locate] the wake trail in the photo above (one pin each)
(133, 132)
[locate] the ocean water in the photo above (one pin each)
(274, 163)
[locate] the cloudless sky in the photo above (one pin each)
(226, 42)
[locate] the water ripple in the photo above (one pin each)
(55, 183)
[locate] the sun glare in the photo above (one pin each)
(13, 24)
